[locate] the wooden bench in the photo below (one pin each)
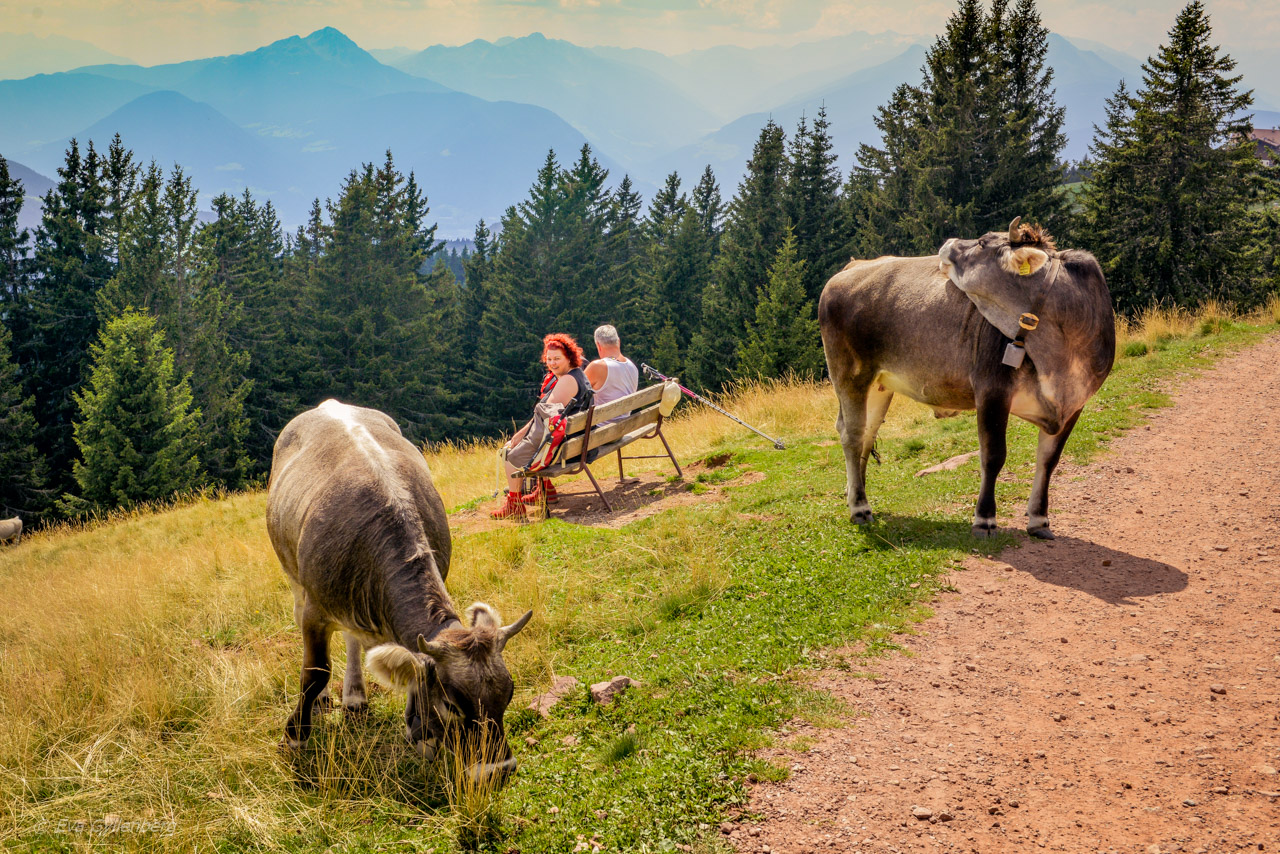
(638, 417)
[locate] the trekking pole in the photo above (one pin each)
(652, 373)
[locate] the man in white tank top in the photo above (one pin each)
(613, 375)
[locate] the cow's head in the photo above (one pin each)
(458, 689)
(998, 270)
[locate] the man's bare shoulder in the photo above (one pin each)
(597, 372)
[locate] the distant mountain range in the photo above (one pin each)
(24, 54)
(290, 120)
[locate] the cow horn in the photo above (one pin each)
(1014, 237)
(506, 633)
(438, 651)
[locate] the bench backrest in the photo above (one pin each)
(643, 409)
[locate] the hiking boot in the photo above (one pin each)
(543, 486)
(513, 508)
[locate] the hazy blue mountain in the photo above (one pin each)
(277, 86)
(170, 128)
(25, 54)
(34, 187)
(51, 107)
(1083, 81)
(730, 81)
(391, 55)
(473, 157)
(1130, 66)
(851, 104)
(624, 109)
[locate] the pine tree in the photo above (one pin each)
(141, 280)
(784, 338)
(120, 179)
(239, 268)
(71, 265)
(813, 203)
(666, 352)
(709, 207)
(475, 294)
(22, 489)
(1175, 178)
(382, 334)
(975, 144)
(755, 228)
(558, 269)
(135, 428)
(626, 259)
(14, 245)
(524, 300)
(587, 292)
(159, 273)
(1026, 174)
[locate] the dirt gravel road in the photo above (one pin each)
(1113, 690)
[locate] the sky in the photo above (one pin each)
(157, 31)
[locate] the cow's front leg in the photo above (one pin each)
(851, 425)
(1048, 452)
(315, 676)
(993, 421)
(353, 696)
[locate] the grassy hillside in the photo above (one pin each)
(147, 663)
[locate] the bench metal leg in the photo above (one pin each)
(679, 473)
(607, 506)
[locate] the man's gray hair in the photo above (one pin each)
(607, 335)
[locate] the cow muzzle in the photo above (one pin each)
(492, 773)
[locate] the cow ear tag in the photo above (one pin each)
(1024, 269)
(1014, 353)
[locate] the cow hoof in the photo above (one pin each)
(1041, 533)
(862, 517)
(356, 710)
(290, 746)
(983, 531)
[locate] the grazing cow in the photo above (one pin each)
(362, 536)
(939, 330)
(11, 529)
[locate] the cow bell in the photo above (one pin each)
(1014, 353)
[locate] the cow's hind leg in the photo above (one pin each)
(993, 421)
(315, 676)
(1048, 452)
(851, 425)
(354, 701)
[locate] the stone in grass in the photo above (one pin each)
(604, 692)
(561, 688)
(948, 465)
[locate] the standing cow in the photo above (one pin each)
(938, 329)
(362, 536)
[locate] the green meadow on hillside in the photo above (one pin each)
(148, 662)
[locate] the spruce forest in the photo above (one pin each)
(147, 350)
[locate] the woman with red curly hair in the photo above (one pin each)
(565, 390)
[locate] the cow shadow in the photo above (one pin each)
(1115, 577)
